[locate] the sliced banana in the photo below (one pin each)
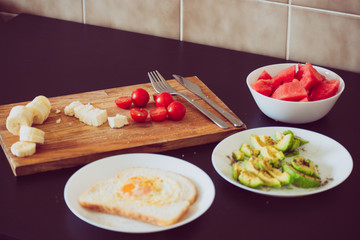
(19, 115)
(39, 109)
(19, 123)
(45, 100)
(31, 134)
(23, 149)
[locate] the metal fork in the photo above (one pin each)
(161, 85)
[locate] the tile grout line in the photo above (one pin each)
(327, 11)
(181, 19)
(313, 9)
(83, 11)
(287, 54)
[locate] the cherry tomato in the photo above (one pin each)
(158, 114)
(163, 99)
(138, 114)
(176, 111)
(123, 102)
(155, 96)
(140, 97)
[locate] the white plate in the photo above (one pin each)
(334, 161)
(108, 167)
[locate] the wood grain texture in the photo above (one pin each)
(72, 143)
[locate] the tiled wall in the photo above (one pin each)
(323, 32)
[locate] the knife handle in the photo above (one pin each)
(207, 113)
(235, 121)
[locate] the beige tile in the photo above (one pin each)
(250, 26)
(153, 17)
(347, 6)
(325, 39)
(279, 1)
(70, 10)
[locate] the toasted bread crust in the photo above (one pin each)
(134, 215)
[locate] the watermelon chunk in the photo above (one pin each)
(265, 75)
(290, 91)
(324, 89)
(300, 71)
(310, 76)
(286, 75)
(263, 86)
(305, 99)
(304, 85)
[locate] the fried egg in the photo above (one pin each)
(146, 188)
(150, 195)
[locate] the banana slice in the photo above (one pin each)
(31, 134)
(19, 115)
(23, 149)
(45, 100)
(40, 110)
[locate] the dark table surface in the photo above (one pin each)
(51, 57)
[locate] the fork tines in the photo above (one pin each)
(158, 82)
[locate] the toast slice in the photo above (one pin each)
(150, 195)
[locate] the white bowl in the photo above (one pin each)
(288, 111)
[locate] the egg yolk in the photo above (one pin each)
(139, 187)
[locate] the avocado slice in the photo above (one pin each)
(300, 179)
(236, 170)
(256, 142)
(288, 132)
(255, 161)
(267, 140)
(283, 177)
(250, 179)
(272, 153)
(285, 142)
(296, 138)
(267, 150)
(302, 141)
(278, 135)
(295, 144)
(305, 166)
(238, 155)
(248, 150)
(263, 175)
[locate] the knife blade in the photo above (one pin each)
(194, 88)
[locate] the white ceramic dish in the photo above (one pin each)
(108, 167)
(293, 112)
(334, 161)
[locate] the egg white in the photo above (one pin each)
(148, 189)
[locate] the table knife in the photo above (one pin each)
(194, 88)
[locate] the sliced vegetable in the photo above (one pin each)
(138, 114)
(123, 102)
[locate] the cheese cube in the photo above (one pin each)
(96, 117)
(118, 121)
(69, 109)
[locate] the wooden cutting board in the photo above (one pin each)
(71, 143)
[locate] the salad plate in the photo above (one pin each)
(333, 160)
(108, 167)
